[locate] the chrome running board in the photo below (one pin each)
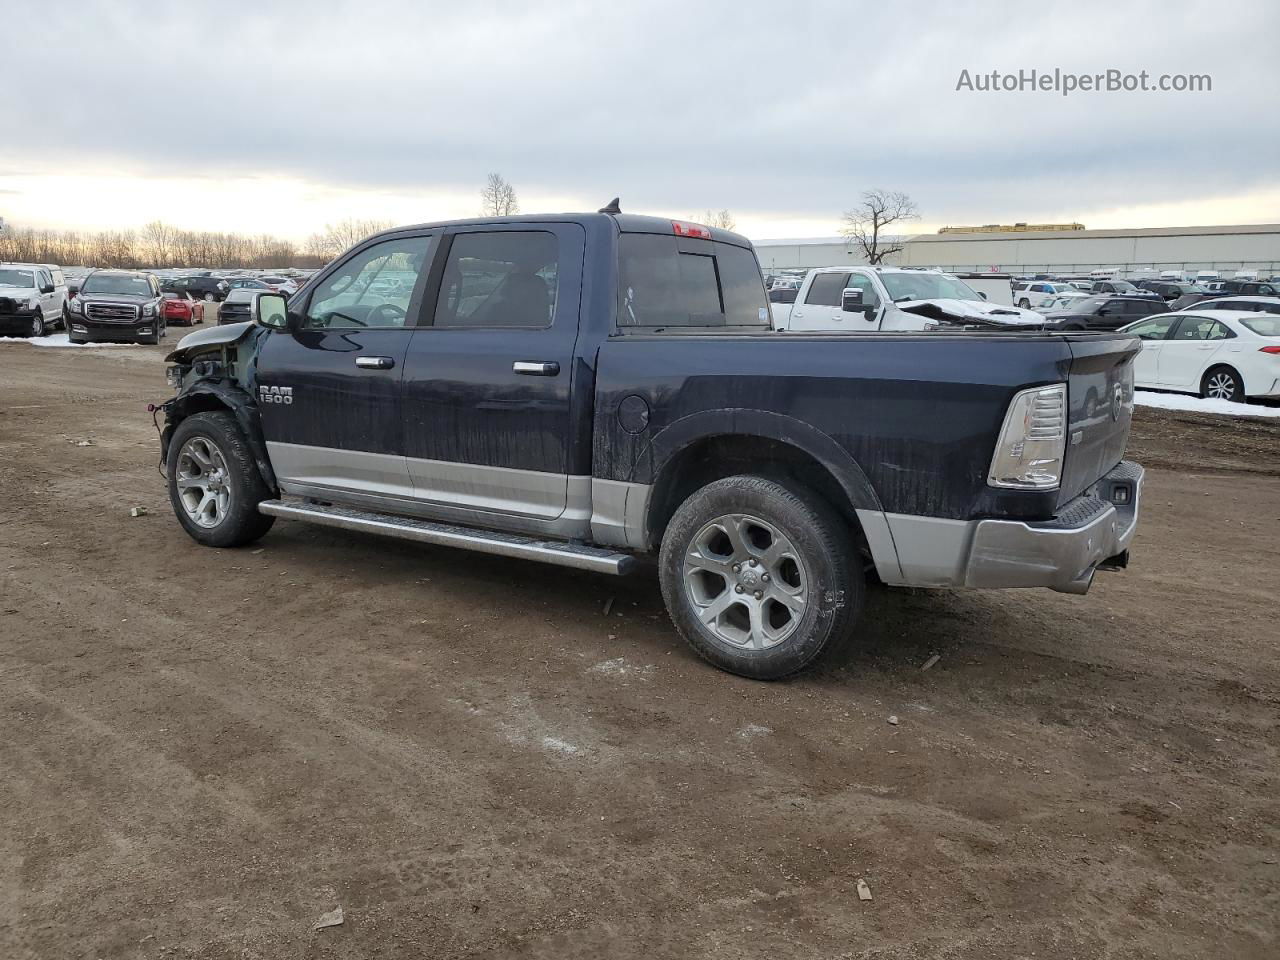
(563, 554)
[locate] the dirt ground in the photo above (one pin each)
(203, 751)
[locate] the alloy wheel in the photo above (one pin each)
(204, 483)
(1221, 386)
(746, 581)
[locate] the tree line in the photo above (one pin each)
(159, 245)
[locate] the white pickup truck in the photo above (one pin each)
(868, 299)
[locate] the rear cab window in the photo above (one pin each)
(671, 282)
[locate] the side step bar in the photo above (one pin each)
(573, 555)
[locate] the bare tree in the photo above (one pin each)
(498, 198)
(724, 219)
(865, 223)
(157, 238)
(341, 236)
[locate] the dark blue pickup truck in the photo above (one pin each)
(583, 389)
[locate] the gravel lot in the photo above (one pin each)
(203, 751)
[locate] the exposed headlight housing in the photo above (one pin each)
(149, 310)
(1033, 440)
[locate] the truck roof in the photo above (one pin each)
(624, 222)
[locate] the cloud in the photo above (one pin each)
(788, 112)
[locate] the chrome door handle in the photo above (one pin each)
(375, 363)
(532, 369)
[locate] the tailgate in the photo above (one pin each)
(1099, 409)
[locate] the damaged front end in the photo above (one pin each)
(211, 370)
(966, 315)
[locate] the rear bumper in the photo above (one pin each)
(1064, 553)
(1090, 533)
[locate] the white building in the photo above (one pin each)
(1224, 249)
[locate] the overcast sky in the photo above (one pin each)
(280, 117)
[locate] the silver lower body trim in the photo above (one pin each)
(572, 555)
(918, 551)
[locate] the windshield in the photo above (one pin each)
(1264, 326)
(910, 285)
(1123, 286)
(120, 284)
(17, 278)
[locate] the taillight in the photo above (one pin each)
(1271, 350)
(682, 229)
(1033, 440)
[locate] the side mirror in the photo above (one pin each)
(271, 310)
(982, 295)
(72, 291)
(851, 302)
(47, 288)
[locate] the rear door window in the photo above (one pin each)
(666, 281)
(499, 279)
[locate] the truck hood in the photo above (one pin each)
(132, 299)
(201, 340)
(973, 311)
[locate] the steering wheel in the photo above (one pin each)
(387, 313)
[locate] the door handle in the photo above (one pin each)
(375, 363)
(531, 369)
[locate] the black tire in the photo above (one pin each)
(37, 326)
(827, 571)
(209, 298)
(1024, 303)
(241, 522)
(1215, 378)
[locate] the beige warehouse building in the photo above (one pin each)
(1225, 249)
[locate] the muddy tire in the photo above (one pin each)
(760, 577)
(214, 484)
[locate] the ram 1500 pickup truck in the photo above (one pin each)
(585, 389)
(875, 299)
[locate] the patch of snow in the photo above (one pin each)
(1178, 401)
(62, 340)
(752, 730)
(560, 746)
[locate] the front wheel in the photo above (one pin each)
(759, 577)
(1024, 303)
(214, 485)
(1223, 383)
(37, 325)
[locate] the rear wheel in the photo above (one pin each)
(208, 298)
(1222, 383)
(214, 485)
(760, 577)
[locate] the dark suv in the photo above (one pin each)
(116, 305)
(1104, 313)
(208, 289)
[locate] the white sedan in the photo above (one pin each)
(1223, 354)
